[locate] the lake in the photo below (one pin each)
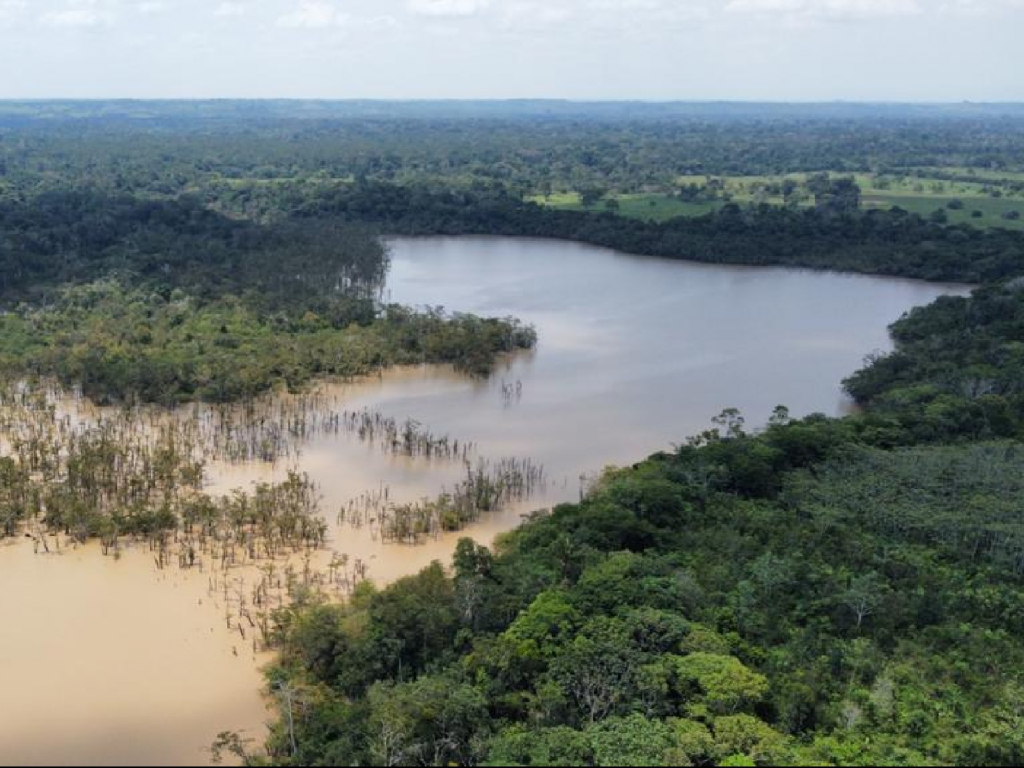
(113, 662)
(636, 353)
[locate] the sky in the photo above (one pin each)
(760, 50)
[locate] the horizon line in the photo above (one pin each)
(514, 99)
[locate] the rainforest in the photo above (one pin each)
(517, 433)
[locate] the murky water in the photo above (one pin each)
(113, 662)
(636, 353)
(110, 663)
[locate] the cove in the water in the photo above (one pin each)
(111, 662)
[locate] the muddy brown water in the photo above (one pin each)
(114, 662)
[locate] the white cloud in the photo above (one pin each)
(979, 7)
(381, 22)
(604, 16)
(80, 14)
(627, 5)
(826, 9)
(228, 10)
(966, 7)
(514, 47)
(649, 15)
(11, 10)
(447, 7)
(313, 14)
(533, 15)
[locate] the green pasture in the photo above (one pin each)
(919, 194)
(651, 206)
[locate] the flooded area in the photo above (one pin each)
(109, 662)
(116, 662)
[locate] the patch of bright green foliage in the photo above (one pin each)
(120, 344)
(648, 207)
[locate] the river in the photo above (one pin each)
(112, 662)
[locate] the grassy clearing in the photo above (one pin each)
(991, 210)
(991, 196)
(925, 196)
(650, 207)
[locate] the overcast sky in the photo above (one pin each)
(917, 50)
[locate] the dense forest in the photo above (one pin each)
(879, 242)
(820, 591)
(165, 301)
(141, 170)
(958, 370)
(524, 145)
